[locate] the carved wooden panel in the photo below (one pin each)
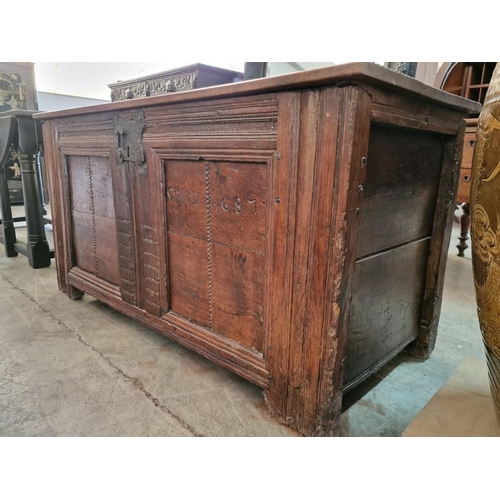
(93, 216)
(246, 119)
(124, 233)
(189, 77)
(216, 225)
(148, 219)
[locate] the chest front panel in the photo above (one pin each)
(184, 235)
(216, 227)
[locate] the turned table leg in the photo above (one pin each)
(37, 247)
(464, 229)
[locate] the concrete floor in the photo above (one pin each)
(78, 368)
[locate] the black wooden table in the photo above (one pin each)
(20, 131)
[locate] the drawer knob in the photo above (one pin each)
(472, 143)
(466, 178)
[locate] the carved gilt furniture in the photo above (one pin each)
(292, 229)
(485, 208)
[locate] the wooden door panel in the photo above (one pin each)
(93, 216)
(216, 226)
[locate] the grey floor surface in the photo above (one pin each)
(79, 368)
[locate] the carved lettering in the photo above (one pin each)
(237, 205)
(182, 196)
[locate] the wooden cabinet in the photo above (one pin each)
(291, 229)
(463, 195)
(194, 76)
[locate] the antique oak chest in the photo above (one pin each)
(292, 229)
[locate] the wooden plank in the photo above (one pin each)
(402, 111)
(60, 209)
(55, 190)
(124, 229)
(310, 116)
(303, 398)
(352, 148)
(402, 181)
(148, 233)
(440, 242)
(387, 297)
(280, 255)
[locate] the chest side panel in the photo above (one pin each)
(400, 193)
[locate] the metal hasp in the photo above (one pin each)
(18, 128)
(128, 130)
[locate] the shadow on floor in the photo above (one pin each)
(355, 394)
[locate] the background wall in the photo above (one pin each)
(48, 101)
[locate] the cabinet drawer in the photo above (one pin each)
(464, 186)
(469, 143)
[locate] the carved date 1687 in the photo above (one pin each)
(227, 203)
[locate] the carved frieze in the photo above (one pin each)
(187, 78)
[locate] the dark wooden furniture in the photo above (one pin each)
(470, 80)
(194, 76)
(17, 91)
(291, 229)
(23, 135)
